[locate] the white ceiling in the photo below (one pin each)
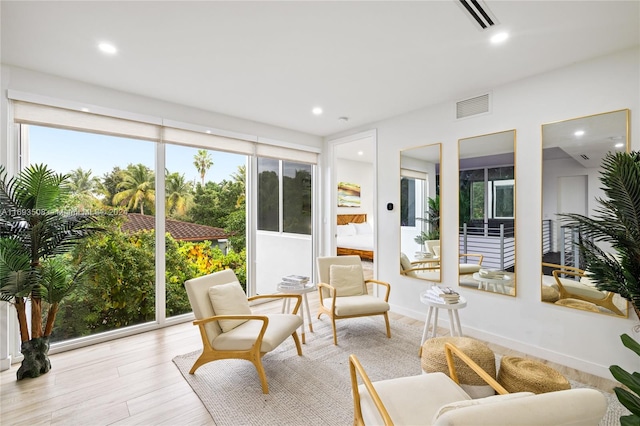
(273, 61)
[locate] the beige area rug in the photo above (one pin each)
(313, 389)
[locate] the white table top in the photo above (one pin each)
(462, 302)
(505, 279)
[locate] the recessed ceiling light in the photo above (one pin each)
(209, 131)
(619, 145)
(84, 109)
(579, 132)
(107, 48)
(316, 111)
(360, 153)
(499, 38)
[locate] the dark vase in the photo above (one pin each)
(36, 358)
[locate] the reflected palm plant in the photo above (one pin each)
(178, 192)
(137, 188)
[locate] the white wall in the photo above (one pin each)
(362, 174)
(583, 340)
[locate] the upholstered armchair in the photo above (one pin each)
(414, 268)
(437, 399)
(343, 293)
(228, 327)
(570, 288)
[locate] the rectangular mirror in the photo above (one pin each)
(420, 212)
(486, 213)
(572, 152)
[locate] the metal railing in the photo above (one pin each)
(497, 245)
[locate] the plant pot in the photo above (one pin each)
(36, 358)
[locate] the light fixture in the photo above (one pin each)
(107, 48)
(499, 38)
(209, 131)
(316, 111)
(85, 109)
(579, 133)
(619, 145)
(360, 153)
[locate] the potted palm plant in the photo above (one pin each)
(35, 235)
(616, 222)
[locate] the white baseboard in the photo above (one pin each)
(5, 363)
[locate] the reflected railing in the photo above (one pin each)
(547, 236)
(497, 245)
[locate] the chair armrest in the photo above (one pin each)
(450, 349)
(478, 255)
(382, 283)
(332, 294)
(298, 298)
(355, 369)
(563, 268)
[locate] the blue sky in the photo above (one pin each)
(66, 150)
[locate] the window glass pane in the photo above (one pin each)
(296, 198)
(268, 194)
(113, 177)
(205, 218)
(407, 202)
(503, 199)
(477, 200)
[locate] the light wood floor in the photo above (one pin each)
(132, 380)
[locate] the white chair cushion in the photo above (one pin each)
(346, 230)
(480, 401)
(571, 407)
(347, 279)
(357, 305)
(580, 289)
(229, 299)
(410, 400)
(405, 262)
(280, 327)
(469, 268)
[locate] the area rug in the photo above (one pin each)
(315, 388)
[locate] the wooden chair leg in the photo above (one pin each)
(335, 333)
(262, 375)
(202, 359)
(386, 320)
(297, 340)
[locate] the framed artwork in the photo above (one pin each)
(348, 194)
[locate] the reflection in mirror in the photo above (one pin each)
(572, 152)
(486, 213)
(420, 212)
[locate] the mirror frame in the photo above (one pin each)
(425, 265)
(477, 267)
(547, 281)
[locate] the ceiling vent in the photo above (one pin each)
(472, 106)
(584, 156)
(479, 13)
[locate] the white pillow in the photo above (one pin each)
(229, 299)
(346, 230)
(347, 279)
(363, 228)
(480, 401)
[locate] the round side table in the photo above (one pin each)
(452, 310)
(498, 284)
(304, 306)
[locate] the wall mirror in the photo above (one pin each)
(572, 152)
(486, 213)
(420, 212)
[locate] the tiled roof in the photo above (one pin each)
(184, 231)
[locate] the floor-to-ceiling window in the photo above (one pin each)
(134, 174)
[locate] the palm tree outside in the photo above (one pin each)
(203, 162)
(179, 194)
(136, 188)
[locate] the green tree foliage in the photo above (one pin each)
(108, 186)
(296, 202)
(178, 193)
(137, 188)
